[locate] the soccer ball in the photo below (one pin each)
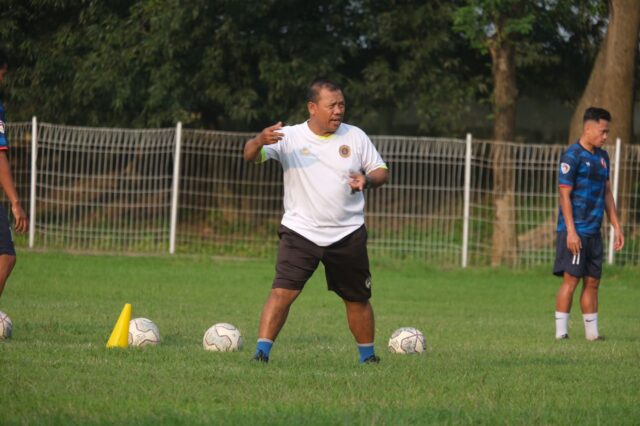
(143, 332)
(222, 337)
(6, 326)
(407, 340)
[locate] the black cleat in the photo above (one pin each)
(563, 337)
(372, 360)
(597, 339)
(260, 357)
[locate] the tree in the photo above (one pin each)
(410, 71)
(139, 63)
(611, 81)
(39, 63)
(498, 27)
(211, 64)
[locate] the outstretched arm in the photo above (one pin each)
(268, 136)
(6, 181)
(612, 213)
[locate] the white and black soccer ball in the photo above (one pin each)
(6, 326)
(143, 332)
(222, 337)
(407, 340)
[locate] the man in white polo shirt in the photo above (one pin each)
(327, 165)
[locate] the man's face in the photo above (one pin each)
(3, 72)
(597, 132)
(328, 111)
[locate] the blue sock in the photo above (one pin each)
(366, 350)
(264, 345)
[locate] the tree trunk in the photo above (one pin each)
(505, 94)
(611, 82)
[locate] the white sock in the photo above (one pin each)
(562, 324)
(590, 326)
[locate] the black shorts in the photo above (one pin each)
(346, 264)
(588, 262)
(6, 240)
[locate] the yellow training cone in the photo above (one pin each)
(120, 334)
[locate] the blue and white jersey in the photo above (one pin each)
(4, 143)
(587, 174)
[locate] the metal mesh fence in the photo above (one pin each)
(103, 189)
(629, 204)
(530, 198)
(418, 213)
(110, 190)
(226, 205)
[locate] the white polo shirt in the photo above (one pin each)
(318, 203)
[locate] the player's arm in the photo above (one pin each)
(573, 240)
(612, 213)
(373, 179)
(6, 181)
(268, 136)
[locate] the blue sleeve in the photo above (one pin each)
(568, 168)
(4, 143)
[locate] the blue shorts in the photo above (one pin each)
(587, 263)
(6, 239)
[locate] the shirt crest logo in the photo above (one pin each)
(305, 151)
(604, 163)
(564, 167)
(345, 151)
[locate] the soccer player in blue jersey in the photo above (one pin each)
(7, 251)
(585, 194)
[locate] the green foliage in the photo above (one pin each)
(414, 68)
(491, 358)
(486, 22)
(152, 63)
(407, 66)
(555, 40)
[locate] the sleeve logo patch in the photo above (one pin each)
(2, 127)
(604, 163)
(564, 167)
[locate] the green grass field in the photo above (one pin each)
(492, 357)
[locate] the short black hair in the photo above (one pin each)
(320, 83)
(596, 114)
(4, 60)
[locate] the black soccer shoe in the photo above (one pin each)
(372, 360)
(598, 339)
(260, 357)
(563, 337)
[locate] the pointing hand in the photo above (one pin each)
(270, 135)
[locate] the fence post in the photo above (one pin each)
(616, 176)
(467, 200)
(32, 189)
(174, 192)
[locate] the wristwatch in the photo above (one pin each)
(367, 182)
